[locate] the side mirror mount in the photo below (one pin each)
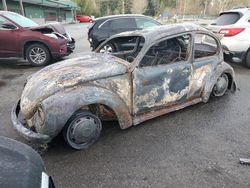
(8, 26)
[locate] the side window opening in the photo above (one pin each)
(204, 46)
(168, 51)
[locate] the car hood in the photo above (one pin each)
(49, 28)
(67, 74)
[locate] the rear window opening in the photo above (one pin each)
(227, 18)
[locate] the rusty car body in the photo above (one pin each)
(151, 73)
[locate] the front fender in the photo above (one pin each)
(61, 106)
(223, 67)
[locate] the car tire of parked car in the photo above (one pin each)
(82, 130)
(108, 48)
(38, 55)
(247, 59)
(221, 86)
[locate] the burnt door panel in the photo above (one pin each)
(156, 87)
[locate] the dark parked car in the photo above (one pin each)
(21, 166)
(104, 27)
(162, 70)
(39, 44)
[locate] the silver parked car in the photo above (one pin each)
(233, 29)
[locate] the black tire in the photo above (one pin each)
(247, 59)
(82, 130)
(38, 55)
(221, 86)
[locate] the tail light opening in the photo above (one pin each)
(230, 32)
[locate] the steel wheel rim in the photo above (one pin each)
(83, 131)
(221, 85)
(37, 55)
(107, 49)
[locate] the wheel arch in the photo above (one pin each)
(30, 42)
(62, 105)
(221, 68)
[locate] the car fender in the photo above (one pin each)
(33, 41)
(223, 67)
(59, 107)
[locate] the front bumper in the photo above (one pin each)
(24, 131)
(71, 46)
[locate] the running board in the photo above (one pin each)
(152, 114)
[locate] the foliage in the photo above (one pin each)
(109, 7)
(87, 7)
(155, 7)
(151, 8)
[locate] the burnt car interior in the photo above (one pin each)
(127, 48)
(168, 51)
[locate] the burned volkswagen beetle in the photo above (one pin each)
(148, 73)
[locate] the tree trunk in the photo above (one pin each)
(5, 5)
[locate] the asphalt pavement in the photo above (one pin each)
(198, 146)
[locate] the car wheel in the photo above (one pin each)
(107, 48)
(247, 60)
(38, 55)
(82, 130)
(221, 85)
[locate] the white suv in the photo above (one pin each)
(233, 29)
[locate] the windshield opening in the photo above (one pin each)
(20, 20)
(126, 48)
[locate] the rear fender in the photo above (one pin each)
(215, 74)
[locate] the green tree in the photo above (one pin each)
(87, 7)
(151, 8)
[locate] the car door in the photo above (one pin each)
(206, 57)
(163, 75)
(8, 38)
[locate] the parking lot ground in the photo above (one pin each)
(198, 146)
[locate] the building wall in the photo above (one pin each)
(40, 14)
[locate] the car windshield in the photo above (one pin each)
(126, 48)
(20, 20)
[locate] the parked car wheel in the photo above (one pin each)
(82, 130)
(247, 60)
(38, 55)
(108, 48)
(221, 85)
